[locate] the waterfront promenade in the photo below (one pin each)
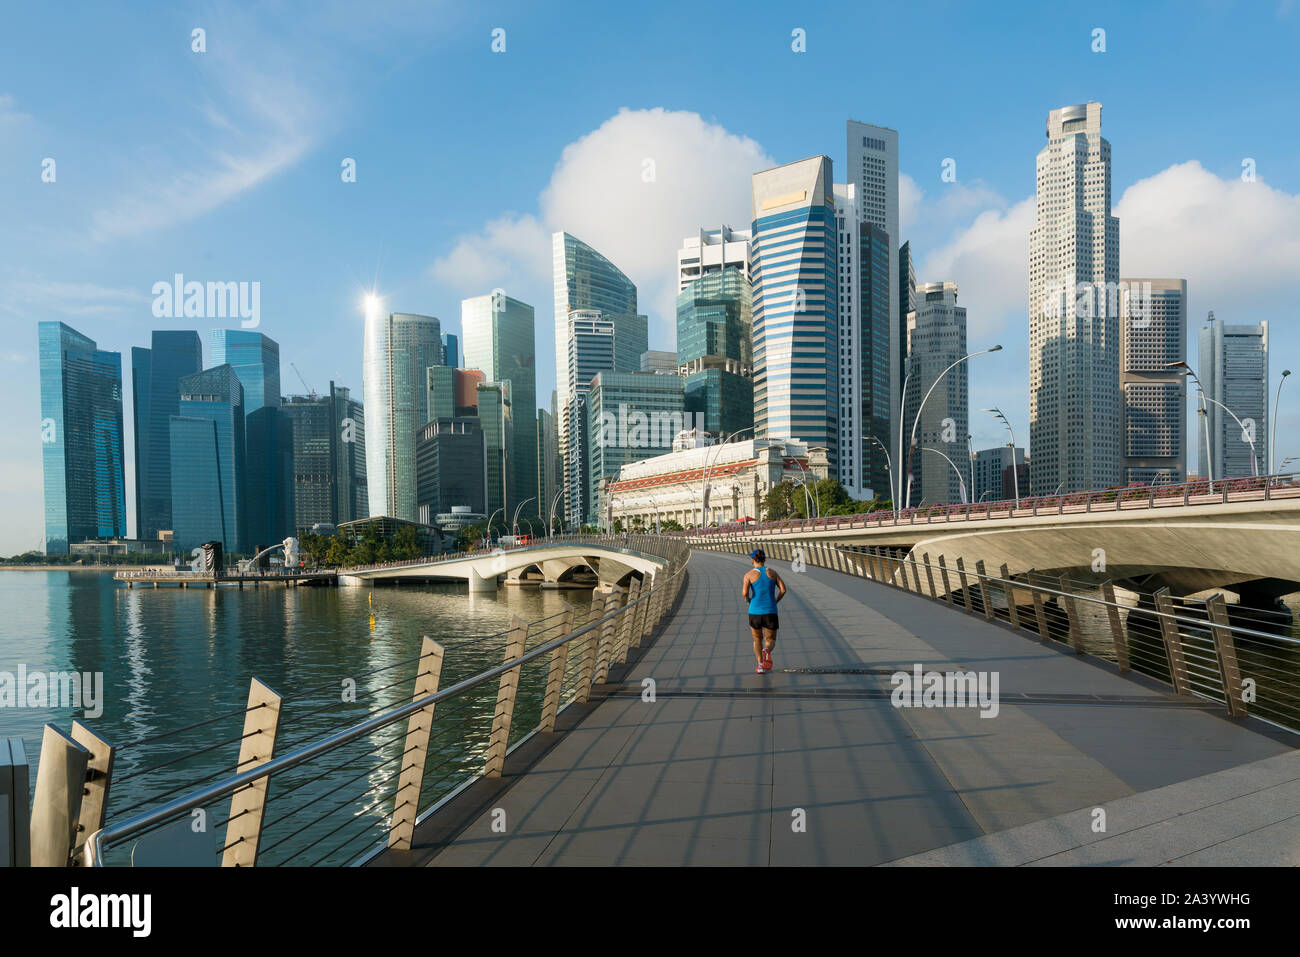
(812, 764)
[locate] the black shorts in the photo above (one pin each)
(768, 622)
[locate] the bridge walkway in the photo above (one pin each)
(721, 766)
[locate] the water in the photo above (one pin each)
(171, 657)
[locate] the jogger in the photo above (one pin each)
(762, 588)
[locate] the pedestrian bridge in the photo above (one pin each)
(1241, 534)
(614, 560)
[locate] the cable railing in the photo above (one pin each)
(1250, 665)
(303, 794)
(1202, 492)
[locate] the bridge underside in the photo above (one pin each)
(556, 566)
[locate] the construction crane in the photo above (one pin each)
(310, 390)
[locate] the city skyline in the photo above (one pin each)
(957, 230)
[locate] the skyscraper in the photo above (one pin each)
(715, 348)
(1233, 371)
(450, 350)
(255, 359)
(584, 281)
(496, 418)
(499, 339)
(936, 338)
(793, 258)
(397, 350)
(713, 250)
(1153, 323)
(208, 462)
(1074, 391)
(329, 458)
(592, 345)
(155, 378)
(873, 172)
(548, 450)
(81, 436)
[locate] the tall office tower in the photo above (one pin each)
(1233, 371)
(329, 461)
(585, 280)
(1153, 323)
(793, 257)
(496, 418)
(498, 338)
(81, 436)
(450, 468)
(208, 462)
(936, 338)
(906, 300)
(715, 331)
(592, 345)
(629, 416)
(864, 406)
(450, 350)
(397, 350)
(155, 375)
(656, 360)
(269, 517)
(713, 250)
(991, 476)
(547, 448)
(873, 172)
(1075, 438)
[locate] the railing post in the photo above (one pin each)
(606, 646)
(1117, 637)
(415, 748)
(99, 775)
(15, 809)
(625, 623)
(1071, 615)
(1040, 613)
(1226, 652)
(984, 590)
(965, 588)
(642, 615)
(506, 692)
(1009, 591)
(555, 678)
(60, 781)
(248, 804)
(947, 586)
(929, 574)
(916, 573)
(1173, 643)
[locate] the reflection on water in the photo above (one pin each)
(172, 657)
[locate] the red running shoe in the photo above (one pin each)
(767, 659)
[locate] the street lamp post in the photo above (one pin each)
(1245, 433)
(554, 502)
(1187, 370)
(1015, 469)
(704, 478)
(889, 467)
(1272, 445)
(514, 522)
(960, 481)
(917, 421)
(489, 524)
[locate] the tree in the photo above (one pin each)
(670, 525)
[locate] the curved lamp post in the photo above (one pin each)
(514, 522)
(1245, 434)
(1015, 469)
(1186, 370)
(489, 524)
(1272, 445)
(917, 421)
(889, 467)
(704, 478)
(961, 483)
(551, 523)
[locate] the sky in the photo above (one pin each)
(227, 164)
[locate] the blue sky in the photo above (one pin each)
(225, 165)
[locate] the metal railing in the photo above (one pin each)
(1250, 665)
(1220, 491)
(343, 793)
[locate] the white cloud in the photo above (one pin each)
(61, 299)
(632, 188)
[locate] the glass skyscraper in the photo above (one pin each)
(450, 350)
(155, 379)
(255, 359)
(81, 435)
(1233, 369)
(1153, 335)
(793, 257)
(499, 339)
(397, 350)
(592, 345)
(715, 348)
(496, 418)
(207, 462)
(329, 458)
(936, 338)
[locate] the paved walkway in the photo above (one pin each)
(813, 765)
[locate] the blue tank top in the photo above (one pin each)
(762, 594)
